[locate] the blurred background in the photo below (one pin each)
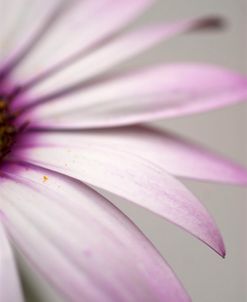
(206, 276)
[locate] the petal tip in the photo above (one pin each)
(212, 22)
(220, 248)
(223, 252)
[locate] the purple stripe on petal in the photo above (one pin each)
(25, 23)
(93, 251)
(174, 154)
(132, 177)
(108, 56)
(162, 92)
(82, 28)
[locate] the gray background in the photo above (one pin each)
(205, 275)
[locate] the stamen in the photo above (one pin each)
(8, 130)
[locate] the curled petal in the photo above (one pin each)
(81, 244)
(130, 176)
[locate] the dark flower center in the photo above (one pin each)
(8, 130)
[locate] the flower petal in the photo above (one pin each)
(162, 92)
(10, 290)
(83, 245)
(23, 24)
(172, 153)
(129, 176)
(94, 63)
(82, 26)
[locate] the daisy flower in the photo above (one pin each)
(69, 127)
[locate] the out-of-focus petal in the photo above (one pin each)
(108, 56)
(169, 151)
(80, 25)
(10, 290)
(162, 92)
(129, 176)
(24, 23)
(81, 244)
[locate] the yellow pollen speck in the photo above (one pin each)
(45, 178)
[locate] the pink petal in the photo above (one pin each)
(82, 26)
(23, 24)
(172, 153)
(10, 290)
(111, 54)
(129, 176)
(162, 92)
(83, 245)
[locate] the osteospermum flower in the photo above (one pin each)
(68, 126)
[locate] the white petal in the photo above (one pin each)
(10, 290)
(172, 153)
(161, 92)
(127, 175)
(82, 25)
(83, 245)
(23, 23)
(115, 52)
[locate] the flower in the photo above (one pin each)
(69, 126)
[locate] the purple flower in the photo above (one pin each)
(69, 126)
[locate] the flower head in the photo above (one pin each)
(69, 126)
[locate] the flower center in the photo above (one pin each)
(8, 130)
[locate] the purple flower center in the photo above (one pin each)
(8, 130)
